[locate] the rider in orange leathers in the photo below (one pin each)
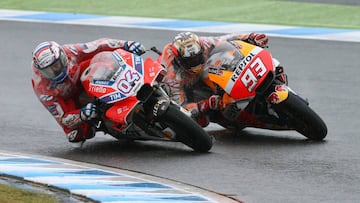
(56, 82)
(184, 59)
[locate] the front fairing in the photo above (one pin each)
(240, 76)
(111, 76)
(114, 77)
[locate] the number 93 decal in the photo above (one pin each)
(250, 77)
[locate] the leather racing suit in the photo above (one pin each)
(181, 83)
(63, 100)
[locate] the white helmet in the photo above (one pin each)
(50, 59)
(188, 51)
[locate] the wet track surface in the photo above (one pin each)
(253, 166)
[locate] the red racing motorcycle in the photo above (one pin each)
(132, 104)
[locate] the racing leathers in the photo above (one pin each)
(64, 100)
(182, 83)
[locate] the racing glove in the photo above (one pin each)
(134, 47)
(214, 102)
(260, 40)
(88, 112)
(200, 117)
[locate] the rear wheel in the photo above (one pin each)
(300, 116)
(187, 130)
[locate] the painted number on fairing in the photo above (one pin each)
(250, 78)
(126, 84)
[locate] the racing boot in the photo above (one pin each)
(203, 120)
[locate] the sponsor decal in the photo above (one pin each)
(103, 82)
(279, 95)
(241, 65)
(74, 50)
(113, 97)
(45, 98)
(72, 135)
(237, 45)
(122, 65)
(90, 47)
(71, 120)
(113, 43)
(122, 109)
(138, 63)
(55, 110)
(159, 107)
(216, 71)
(97, 89)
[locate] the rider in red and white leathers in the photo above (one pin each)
(56, 81)
(184, 59)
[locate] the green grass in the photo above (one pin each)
(277, 12)
(9, 194)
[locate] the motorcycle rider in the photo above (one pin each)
(185, 58)
(56, 82)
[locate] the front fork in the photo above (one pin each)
(157, 101)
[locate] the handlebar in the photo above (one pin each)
(156, 50)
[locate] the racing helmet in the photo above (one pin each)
(50, 59)
(188, 51)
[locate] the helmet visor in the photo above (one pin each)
(191, 61)
(54, 70)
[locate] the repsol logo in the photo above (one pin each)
(241, 65)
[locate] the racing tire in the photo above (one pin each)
(187, 130)
(300, 116)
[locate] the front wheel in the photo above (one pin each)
(301, 117)
(187, 130)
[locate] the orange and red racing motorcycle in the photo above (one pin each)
(255, 92)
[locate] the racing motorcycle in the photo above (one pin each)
(254, 92)
(132, 104)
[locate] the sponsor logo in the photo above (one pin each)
(138, 63)
(122, 65)
(159, 107)
(216, 71)
(279, 95)
(113, 97)
(122, 109)
(103, 82)
(53, 110)
(71, 120)
(113, 43)
(97, 89)
(45, 98)
(241, 65)
(72, 135)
